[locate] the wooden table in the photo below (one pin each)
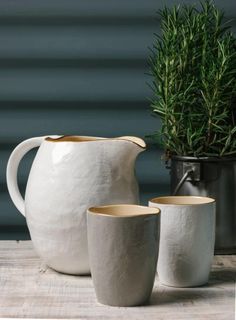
(30, 289)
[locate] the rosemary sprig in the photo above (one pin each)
(193, 64)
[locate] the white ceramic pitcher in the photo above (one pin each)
(68, 175)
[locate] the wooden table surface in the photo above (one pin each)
(30, 289)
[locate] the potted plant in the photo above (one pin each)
(193, 64)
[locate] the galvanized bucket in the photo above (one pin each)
(216, 178)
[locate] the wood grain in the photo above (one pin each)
(29, 289)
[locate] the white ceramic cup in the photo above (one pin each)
(187, 237)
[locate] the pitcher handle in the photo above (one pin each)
(12, 168)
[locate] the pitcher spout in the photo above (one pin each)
(136, 140)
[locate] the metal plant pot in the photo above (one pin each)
(214, 178)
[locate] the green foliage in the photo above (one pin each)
(193, 64)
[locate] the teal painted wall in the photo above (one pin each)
(77, 67)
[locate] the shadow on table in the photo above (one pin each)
(219, 279)
(176, 296)
(183, 296)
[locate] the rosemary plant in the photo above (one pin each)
(193, 64)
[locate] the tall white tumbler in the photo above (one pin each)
(187, 237)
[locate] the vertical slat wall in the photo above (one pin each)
(76, 67)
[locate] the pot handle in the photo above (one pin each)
(12, 168)
(182, 180)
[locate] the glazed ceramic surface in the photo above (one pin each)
(123, 242)
(187, 236)
(68, 175)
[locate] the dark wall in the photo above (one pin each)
(77, 67)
